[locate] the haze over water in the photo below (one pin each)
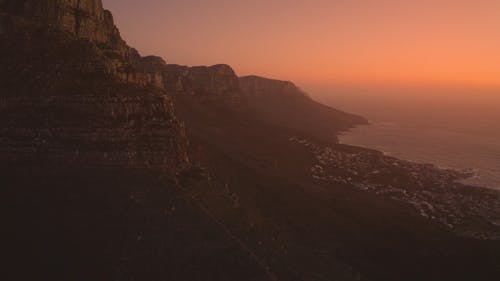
(449, 128)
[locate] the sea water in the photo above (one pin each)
(456, 130)
(441, 147)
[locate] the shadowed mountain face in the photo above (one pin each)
(217, 83)
(84, 19)
(307, 228)
(89, 149)
(122, 167)
(74, 93)
(284, 104)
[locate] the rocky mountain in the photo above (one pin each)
(313, 209)
(255, 86)
(115, 166)
(216, 83)
(84, 19)
(65, 61)
(90, 152)
(284, 104)
(73, 92)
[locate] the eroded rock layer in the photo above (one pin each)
(72, 92)
(286, 105)
(85, 20)
(214, 83)
(256, 86)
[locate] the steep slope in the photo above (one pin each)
(216, 80)
(278, 102)
(264, 186)
(260, 186)
(284, 104)
(90, 148)
(73, 92)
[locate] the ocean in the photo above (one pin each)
(441, 147)
(456, 131)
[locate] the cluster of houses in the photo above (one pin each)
(434, 193)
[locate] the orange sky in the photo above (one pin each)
(424, 42)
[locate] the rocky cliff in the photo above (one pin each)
(255, 86)
(73, 92)
(282, 103)
(215, 83)
(86, 20)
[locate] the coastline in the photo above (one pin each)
(434, 193)
(475, 174)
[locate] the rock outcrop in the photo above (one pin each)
(85, 20)
(219, 80)
(255, 86)
(217, 83)
(284, 104)
(67, 57)
(73, 92)
(135, 130)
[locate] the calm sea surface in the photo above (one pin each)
(450, 133)
(444, 148)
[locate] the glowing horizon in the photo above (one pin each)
(439, 42)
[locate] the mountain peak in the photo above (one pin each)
(64, 62)
(259, 86)
(85, 19)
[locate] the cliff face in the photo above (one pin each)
(85, 20)
(255, 86)
(217, 83)
(72, 91)
(217, 80)
(284, 104)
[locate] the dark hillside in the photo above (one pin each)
(260, 187)
(110, 224)
(285, 105)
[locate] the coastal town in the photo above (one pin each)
(434, 193)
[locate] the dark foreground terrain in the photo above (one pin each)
(310, 229)
(245, 218)
(65, 224)
(255, 214)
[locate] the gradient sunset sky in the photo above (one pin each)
(423, 42)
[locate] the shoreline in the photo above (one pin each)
(435, 194)
(473, 176)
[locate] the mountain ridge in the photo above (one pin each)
(74, 92)
(122, 167)
(285, 104)
(55, 47)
